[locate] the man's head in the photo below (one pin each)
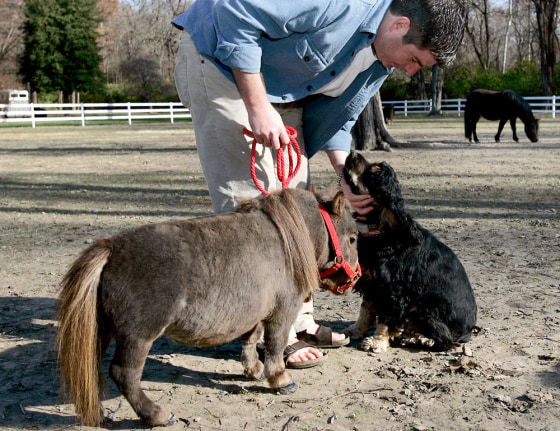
(435, 25)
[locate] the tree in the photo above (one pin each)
(158, 40)
(547, 14)
(370, 129)
(61, 52)
(477, 28)
(437, 90)
(506, 37)
(145, 77)
(11, 17)
(421, 84)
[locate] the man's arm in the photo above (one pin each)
(265, 122)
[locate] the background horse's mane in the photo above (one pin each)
(525, 113)
(281, 207)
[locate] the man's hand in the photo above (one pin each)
(265, 122)
(359, 203)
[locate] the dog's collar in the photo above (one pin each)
(366, 229)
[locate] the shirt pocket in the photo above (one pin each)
(310, 57)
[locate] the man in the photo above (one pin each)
(309, 64)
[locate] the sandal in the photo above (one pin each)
(293, 348)
(322, 339)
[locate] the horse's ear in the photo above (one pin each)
(313, 189)
(339, 204)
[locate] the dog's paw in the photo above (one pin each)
(355, 331)
(375, 344)
(417, 340)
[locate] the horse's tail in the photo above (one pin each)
(78, 337)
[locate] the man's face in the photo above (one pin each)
(406, 57)
(393, 52)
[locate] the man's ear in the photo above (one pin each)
(400, 25)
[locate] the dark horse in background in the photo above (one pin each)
(499, 105)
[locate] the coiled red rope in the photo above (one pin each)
(280, 164)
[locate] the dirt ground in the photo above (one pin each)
(496, 205)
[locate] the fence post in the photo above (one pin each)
(32, 115)
(405, 108)
(458, 107)
(553, 107)
(82, 113)
(171, 111)
(129, 113)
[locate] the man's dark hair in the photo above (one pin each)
(436, 25)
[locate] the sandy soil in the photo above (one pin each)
(496, 205)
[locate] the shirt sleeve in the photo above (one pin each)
(341, 140)
(241, 24)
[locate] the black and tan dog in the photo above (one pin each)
(415, 291)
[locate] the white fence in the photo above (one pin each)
(83, 113)
(539, 104)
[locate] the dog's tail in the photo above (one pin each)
(78, 338)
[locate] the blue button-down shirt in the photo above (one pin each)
(298, 46)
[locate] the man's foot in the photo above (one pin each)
(299, 354)
(323, 337)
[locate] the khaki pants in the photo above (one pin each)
(219, 116)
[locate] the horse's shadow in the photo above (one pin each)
(30, 394)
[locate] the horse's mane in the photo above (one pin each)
(524, 109)
(281, 207)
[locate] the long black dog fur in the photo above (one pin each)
(414, 287)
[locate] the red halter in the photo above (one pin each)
(340, 263)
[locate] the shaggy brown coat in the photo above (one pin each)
(201, 282)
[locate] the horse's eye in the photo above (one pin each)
(353, 239)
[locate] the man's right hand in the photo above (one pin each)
(265, 122)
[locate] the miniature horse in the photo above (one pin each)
(503, 106)
(202, 282)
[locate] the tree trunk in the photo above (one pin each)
(546, 11)
(370, 129)
(506, 37)
(437, 89)
(421, 84)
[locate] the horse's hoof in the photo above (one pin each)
(172, 420)
(260, 376)
(288, 389)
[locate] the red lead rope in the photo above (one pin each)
(285, 180)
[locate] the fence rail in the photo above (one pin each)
(83, 113)
(539, 104)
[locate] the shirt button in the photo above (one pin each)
(370, 36)
(306, 58)
(284, 97)
(309, 88)
(333, 73)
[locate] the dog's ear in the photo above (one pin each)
(339, 204)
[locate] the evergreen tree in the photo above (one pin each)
(61, 52)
